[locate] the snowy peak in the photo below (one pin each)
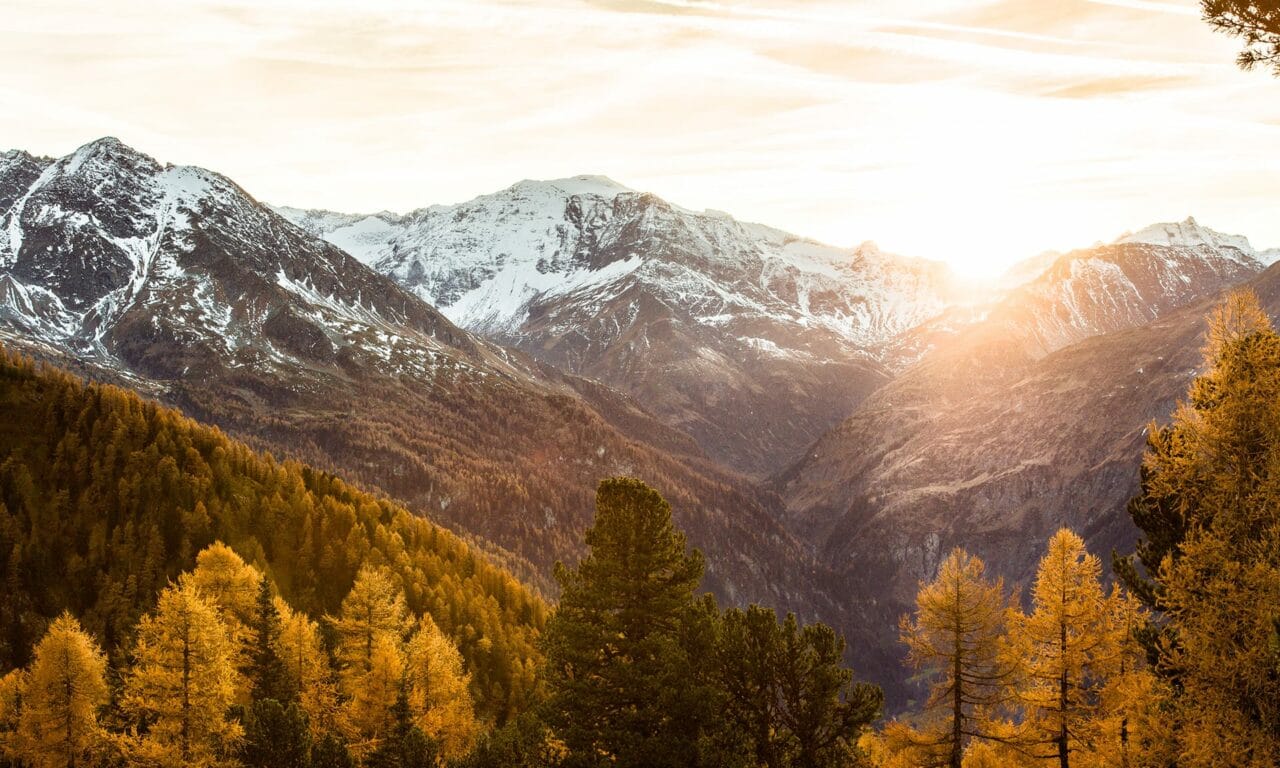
(597, 186)
(106, 252)
(1190, 234)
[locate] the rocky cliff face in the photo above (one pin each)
(751, 340)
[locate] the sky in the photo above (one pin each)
(978, 133)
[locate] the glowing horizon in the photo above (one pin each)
(978, 134)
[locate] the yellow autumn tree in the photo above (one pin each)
(230, 584)
(1128, 717)
(1063, 651)
(181, 684)
(13, 686)
(370, 651)
(1216, 474)
(438, 690)
(65, 686)
(301, 651)
(374, 607)
(374, 693)
(954, 637)
(991, 754)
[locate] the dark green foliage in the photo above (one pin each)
(522, 743)
(642, 674)
(788, 696)
(276, 736)
(1164, 528)
(745, 668)
(331, 752)
(1256, 22)
(406, 746)
(618, 674)
(823, 709)
(122, 493)
(267, 675)
(1162, 523)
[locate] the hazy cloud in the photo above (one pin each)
(977, 132)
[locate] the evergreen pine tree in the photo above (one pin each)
(618, 675)
(276, 736)
(822, 708)
(787, 694)
(405, 745)
(331, 752)
(268, 677)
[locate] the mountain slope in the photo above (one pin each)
(121, 494)
(1025, 420)
(175, 282)
(751, 340)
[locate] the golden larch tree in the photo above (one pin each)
(955, 637)
(370, 652)
(1128, 718)
(374, 693)
(1218, 580)
(301, 651)
(1062, 650)
(230, 584)
(13, 685)
(374, 607)
(438, 688)
(182, 683)
(66, 684)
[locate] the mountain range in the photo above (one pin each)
(176, 282)
(751, 340)
(827, 422)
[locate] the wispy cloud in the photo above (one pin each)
(953, 129)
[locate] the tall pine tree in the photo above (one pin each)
(619, 678)
(268, 676)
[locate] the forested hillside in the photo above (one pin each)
(105, 498)
(174, 281)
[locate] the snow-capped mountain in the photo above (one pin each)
(112, 256)
(490, 263)
(1191, 234)
(175, 281)
(1113, 287)
(752, 340)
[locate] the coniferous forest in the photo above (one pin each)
(173, 598)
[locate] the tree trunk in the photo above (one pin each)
(1064, 758)
(957, 696)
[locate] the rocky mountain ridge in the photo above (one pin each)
(710, 323)
(175, 282)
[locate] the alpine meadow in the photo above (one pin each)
(433, 413)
